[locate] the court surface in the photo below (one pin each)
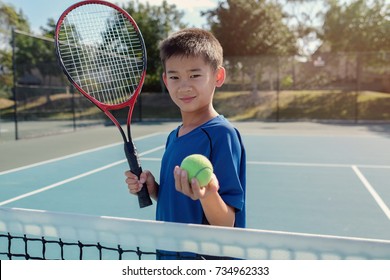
(318, 178)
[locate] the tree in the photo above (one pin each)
(9, 19)
(251, 27)
(155, 23)
(50, 28)
(360, 26)
(304, 19)
(35, 53)
(47, 61)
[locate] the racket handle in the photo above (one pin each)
(135, 167)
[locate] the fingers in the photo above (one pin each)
(203, 192)
(198, 192)
(193, 189)
(133, 184)
(181, 182)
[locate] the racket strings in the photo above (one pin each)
(102, 52)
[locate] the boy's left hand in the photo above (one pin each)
(193, 190)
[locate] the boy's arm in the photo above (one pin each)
(217, 212)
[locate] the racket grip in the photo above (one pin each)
(135, 167)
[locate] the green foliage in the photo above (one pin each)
(362, 26)
(155, 23)
(49, 30)
(9, 18)
(248, 28)
(32, 53)
(251, 27)
(6, 78)
(287, 82)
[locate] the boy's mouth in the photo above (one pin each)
(187, 99)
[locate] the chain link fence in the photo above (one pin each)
(349, 87)
(328, 86)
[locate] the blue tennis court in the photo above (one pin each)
(301, 177)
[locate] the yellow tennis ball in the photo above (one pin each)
(199, 167)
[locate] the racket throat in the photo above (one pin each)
(132, 158)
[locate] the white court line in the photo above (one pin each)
(74, 155)
(75, 178)
(60, 183)
(307, 164)
(151, 159)
(372, 191)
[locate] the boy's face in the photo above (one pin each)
(191, 82)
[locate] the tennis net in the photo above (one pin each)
(36, 234)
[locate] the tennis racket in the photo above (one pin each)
(101, 50)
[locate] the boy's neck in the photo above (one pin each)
(192, 120)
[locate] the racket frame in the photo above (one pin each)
(129, 147)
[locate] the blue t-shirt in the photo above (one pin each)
(219, 141)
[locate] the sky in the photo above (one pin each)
(39, 11)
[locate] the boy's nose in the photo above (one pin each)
(184, 87)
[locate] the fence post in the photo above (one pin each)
(14, 84)
(357, 90)
(70, 88)
(277, 89)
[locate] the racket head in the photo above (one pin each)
(102, 52)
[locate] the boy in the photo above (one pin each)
(192, 61)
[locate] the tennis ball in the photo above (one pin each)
(199, 167)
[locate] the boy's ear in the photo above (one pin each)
(164, 76)
(221, 75)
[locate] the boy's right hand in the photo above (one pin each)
(135, 185)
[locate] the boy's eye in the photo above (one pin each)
(173, 77)
(195, 76)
